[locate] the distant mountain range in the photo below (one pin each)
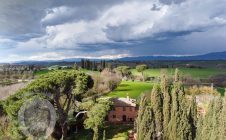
(209, 56)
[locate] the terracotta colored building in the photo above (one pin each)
(124, 111)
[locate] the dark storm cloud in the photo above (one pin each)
(47, 29)
(21, 17)
(171, 1)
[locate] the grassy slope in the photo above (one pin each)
(133, 89)
(194, 72)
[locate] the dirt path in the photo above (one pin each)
(6, 91)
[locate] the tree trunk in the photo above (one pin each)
(142, 75)
(64, 130)
(95, 135)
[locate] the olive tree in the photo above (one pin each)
(141, 68)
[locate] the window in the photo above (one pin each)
(113, 108)
(106, 118)
(114, 116)
(124, 108)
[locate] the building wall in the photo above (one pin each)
(122, 114)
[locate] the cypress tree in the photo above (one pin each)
(215, 132)
(166, 105)
(150, 134)
(147, 131)
(157, 105)
(193, 116)
(179, 126)
(207, 126)
(222, 128)
(139, 124)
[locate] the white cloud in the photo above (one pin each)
(74, 25)
(133, 20)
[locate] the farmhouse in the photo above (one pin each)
(124, 110)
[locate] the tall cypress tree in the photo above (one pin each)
(204, 130)
(147, 126)
(157, 105)
(179, 126)
(215, 132)
(166, 105)
(222, 128)
(139, 124)
(192, 116)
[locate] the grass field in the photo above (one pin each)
(113, 132)
(194, 72)
(133, 89)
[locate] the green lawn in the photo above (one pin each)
(133, 89)
(41, 72)
(221, 90)
(112, 132)
(194, 72)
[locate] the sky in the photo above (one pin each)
(108, 29)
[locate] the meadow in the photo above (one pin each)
(130, 88)
(193, 72)
(134, 89)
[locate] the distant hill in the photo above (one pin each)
(209, 56)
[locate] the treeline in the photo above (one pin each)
(5, 68)
(17, 71)
(168, 114)
(93, 65)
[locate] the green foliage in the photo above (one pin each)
(157, 106)
(170, 117)
(179, 125)
(63, 86)
(212, 126)
(96, 116)
(165, 89)
(139, 124)
(123, 71)
(141, 68)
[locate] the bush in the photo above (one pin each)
(202, 90)
(106, 81)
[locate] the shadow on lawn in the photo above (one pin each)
(123, 90)
(123, 85)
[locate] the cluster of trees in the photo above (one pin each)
(167, 114)
(11, 73)
(18, 68)
(67, 92)
(65, 89)
(124, 72)
(96, 117)
(142, 68)
(93, 65)
(105, 82)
